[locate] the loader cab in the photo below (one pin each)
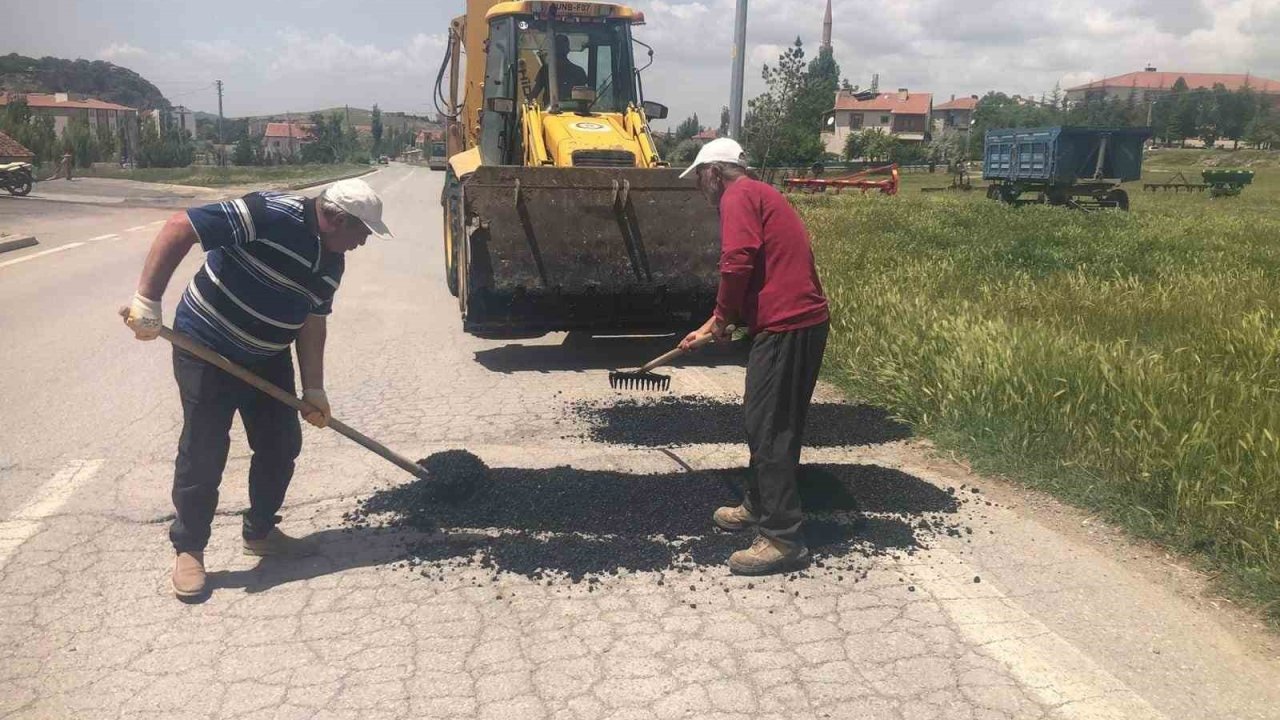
(560, 64)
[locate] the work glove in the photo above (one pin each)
(316, 398)
(143, 316)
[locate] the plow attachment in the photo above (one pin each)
(604, 249)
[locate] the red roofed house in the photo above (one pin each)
(13, 151)
(706, 135)
(62, 107)
(905, 115)
(1151, 83)
(955, 115)
(285, 140)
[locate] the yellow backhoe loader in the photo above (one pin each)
(559, 213)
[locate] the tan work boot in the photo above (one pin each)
(188, 575)
(277, 544)
(766, 556)
(734, 519)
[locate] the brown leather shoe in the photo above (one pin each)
(766, 556)
(277, 544)
(188, 575)
(734, 519)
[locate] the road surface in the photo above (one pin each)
(1026, 610)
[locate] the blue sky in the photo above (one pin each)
(301, 55)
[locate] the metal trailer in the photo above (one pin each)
(1225, 182)
(1076, 167)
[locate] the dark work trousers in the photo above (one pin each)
(782, 371)
(210, 398)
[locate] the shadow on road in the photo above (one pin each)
(580, 351)
(694, 420)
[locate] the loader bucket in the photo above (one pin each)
(621, 249)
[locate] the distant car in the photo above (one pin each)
(383, 160)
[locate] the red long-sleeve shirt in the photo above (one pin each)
(768, 280)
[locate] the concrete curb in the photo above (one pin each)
(18, 242)
(348, 176)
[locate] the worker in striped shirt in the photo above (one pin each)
(272, 265)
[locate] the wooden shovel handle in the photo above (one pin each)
(214, 358)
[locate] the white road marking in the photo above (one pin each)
(42, 253)
(50, 498)
(135, 227)
(108, 236)
(397, 182)
(1045, 664)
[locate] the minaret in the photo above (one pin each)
(826, 27)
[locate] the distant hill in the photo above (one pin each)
(95, 78)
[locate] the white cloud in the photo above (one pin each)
(116, 52)
(331, 55)
(220, 52)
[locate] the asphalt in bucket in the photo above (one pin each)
(695, 419)
(570, 524)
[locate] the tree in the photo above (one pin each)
(853, 146)
(783, 125)
(685, 152)
(34, 132)
(1264, 129)
(688, 128)
(332, 142)
(878, 145)
(246, 152)
(1185, 115)
(79, 139)
(723, 129)
(375, 128)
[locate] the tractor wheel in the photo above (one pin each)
(454, 232)
(1119, 198)
(993, 192)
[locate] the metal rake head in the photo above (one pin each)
(619, 380)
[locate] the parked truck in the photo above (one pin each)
(559, 213)
(1076, 167)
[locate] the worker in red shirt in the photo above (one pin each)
(768, 285)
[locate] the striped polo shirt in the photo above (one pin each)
(265, 270)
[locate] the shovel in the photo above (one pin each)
(213, 358)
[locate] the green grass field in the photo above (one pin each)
(1129, 362)
(207, 176)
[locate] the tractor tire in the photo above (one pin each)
(454, 231)
(1120, 198)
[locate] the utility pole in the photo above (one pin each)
(739, 59)
(219, 84)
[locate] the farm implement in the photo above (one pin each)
(865, 181)
(1074, 167)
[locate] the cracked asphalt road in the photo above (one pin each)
(1067, 621)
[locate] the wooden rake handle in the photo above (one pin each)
(214, 358)
(670, 355)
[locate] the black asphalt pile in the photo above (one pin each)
(566, 522)
(694, 419)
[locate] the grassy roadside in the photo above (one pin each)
(1130, 363)
(206, 176)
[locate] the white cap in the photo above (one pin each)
(725, 150)
(355, 197)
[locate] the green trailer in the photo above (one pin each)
(1226, 182)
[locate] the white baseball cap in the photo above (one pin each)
(725, 150)
(355, 197)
